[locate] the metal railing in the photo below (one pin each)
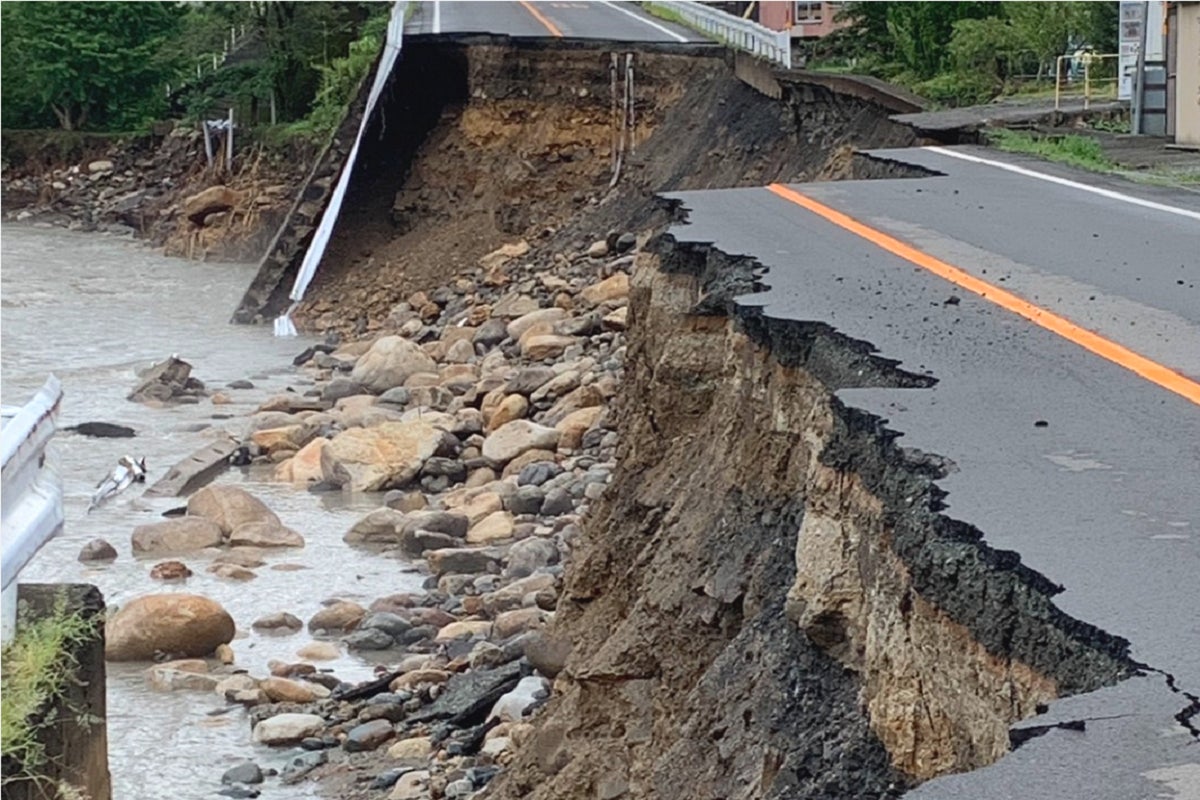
(211, 62)
(30, 491)
(1099, 78)
(735, 32)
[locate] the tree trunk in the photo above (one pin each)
(64, 117)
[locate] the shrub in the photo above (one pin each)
(37, 664)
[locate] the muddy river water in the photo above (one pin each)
(93, 309)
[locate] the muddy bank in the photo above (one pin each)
(157, 188)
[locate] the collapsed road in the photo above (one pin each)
(594, 20)
(906, 495)
(1071, 450)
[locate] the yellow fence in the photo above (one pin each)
(1090, 76)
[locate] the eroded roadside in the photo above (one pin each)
(766, 600)
(662, 559)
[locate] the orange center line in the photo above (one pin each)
(1122, 356)
(550, 26)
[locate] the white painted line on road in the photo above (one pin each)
(1109, 193)
(649, 22)
(437, 16)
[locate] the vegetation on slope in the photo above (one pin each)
(36, 666)
(967, 52)
(112, 66)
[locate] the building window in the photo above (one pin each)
(809, 13)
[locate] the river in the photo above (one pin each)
(92, 309)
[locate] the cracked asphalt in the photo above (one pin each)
(1084, 461)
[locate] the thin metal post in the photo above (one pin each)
(208, 148)
(229, 145)
(612, 79)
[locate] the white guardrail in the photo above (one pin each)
(30, 490)
(733, 31)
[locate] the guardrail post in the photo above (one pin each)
(32, 509)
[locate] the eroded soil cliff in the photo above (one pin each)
(488, 141)
(770, 603)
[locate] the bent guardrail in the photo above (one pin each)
(30, 491)
(735, 32)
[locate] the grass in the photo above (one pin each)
(1188, 178)
(1077, 151)
(36, 666)
(664, 13)
(1086, 153)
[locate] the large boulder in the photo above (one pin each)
(179, 535)
(179, 624)
(341, 615)
(167, 380)
(389, 363)
(381, 526)
(573, 426)
(212, 200)
(414, 532)
(305, 466)
(516, 437)
(287, 728)
(287, 437)
(517, 328)
(383, 457)
(492, 528)
(283, 690)
(264, 534)
(511, 407)
(229, 507)
(610, 290)
(546, 345)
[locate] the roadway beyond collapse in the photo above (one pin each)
(1061, 321)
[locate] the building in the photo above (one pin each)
(804, 20)
(1183, 73)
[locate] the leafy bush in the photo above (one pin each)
(340, 79)
(37, 665)
(958, 89)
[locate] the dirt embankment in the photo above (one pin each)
(485, 143)
(151, 187)
(769, 603)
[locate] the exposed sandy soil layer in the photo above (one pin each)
(496, 143)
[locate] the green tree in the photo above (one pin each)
(985, 47)
(921, 31)
(1048, 30)
(301, 39)
(101, 64)
(1100, 29)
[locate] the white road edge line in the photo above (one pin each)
(437, 16)
(1109, 193)
(640, 18)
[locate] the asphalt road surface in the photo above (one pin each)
(590, 19)
(1060, 314)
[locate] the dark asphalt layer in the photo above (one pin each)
(586, 19)
(1105, 498)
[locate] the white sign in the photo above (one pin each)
(1130, 38)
